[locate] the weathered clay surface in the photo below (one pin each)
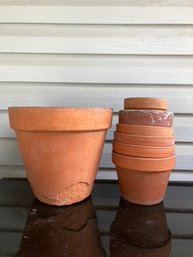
(146, 188)
(74, 193)
(61, 167)
(146, 117)
(145, 103)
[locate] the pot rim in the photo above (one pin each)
(57, 107)
(144, 146)
(147, 111)
(145, 137)
(60, 118)
(140, 163)
(143, 151)
(144, 130)
(137, 171)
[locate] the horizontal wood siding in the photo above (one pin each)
(96, 53)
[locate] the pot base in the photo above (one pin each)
(68, 196)
(141, 202)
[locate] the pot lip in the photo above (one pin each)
(137, 126)
(145, 137)
(144, 146)
(146, 111)
(66, 119)
(144, 130)
(143, 163)
(144, 158)
(138, 171)
(62, 108)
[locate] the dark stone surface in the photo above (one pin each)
(30, 228)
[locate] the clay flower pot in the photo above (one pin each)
(143, 130)
(61, 149)
(141, 187)
(146, 117)
(141, 226)
(144, 164)
(144, 140)
(61, 231)
(143, 151)
(145, 103)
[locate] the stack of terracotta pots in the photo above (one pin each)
(144, 149)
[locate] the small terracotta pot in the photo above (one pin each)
(141, 226)
(53, 231)
(143, 164)
(143, 130)
(144, 140)
(61, 149)
(143, 151)
(146, 103)
(146, 117)
(145, 188)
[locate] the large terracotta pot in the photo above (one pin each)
(141, 187)
(146, 117)
(144, 130)
(143, 151)
(61, 149)
(144, 140)
(61, 231)
(145, 103)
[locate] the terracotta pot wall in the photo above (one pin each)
(141, 187)
(61, 167)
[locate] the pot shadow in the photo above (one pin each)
(140, 231)
(68, 231)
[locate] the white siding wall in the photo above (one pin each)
(95, 53)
